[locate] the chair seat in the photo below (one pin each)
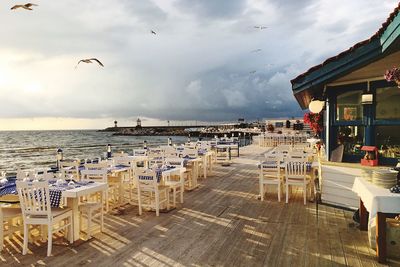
(11, 212)
(271, 181)
(89, 205)
(173, 183)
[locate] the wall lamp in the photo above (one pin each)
(316, 105)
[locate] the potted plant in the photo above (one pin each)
(315, 120)
(393, 75)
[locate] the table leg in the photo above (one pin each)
(205, 166)
(381, 237)
(121, 187)
(73, 204)
(363, 217)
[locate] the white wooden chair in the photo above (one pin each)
(92, 206)
(34, 199)
(270, 174)
(177, 185)
(101, 167)
(71, 167)
(140, 152)
(7, 215)
(296, 175)
(128, 178)
(150, 193)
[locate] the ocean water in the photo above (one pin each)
(37, 149)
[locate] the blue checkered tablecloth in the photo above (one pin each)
(55, 191)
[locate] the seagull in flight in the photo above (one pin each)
(260, 27)
(26, 6)
(153, 32)
(89, 60)
(256, 50)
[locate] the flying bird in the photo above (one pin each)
(153, 32)
(256, 50)
(253, 71)
(89, 60)
(26, 6)
(260, 27)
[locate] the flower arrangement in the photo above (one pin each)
(393, 75)
(315, 120)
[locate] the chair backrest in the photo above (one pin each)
(22, 174)
(99, 175)
(34, 198)
(193, 153)
(295, 170)
(97, 166)
(71, 167)
(123, 160)
(140, 152)
(119, 154)
(169, 151)
(297, 156)
(178, 162)
(270, 169)
(146, 179)
(43, 174)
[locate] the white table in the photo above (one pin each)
(379, 202)
(73, 195)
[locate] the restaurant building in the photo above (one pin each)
(361, 107)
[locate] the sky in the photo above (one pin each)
(207, 61)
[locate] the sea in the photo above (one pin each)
(38, 149)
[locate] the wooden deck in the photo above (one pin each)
(222, 223)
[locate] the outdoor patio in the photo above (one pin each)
(222, 223)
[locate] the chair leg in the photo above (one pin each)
(157, 198)
(89, 223)
(49, 240)
(279, 192)
(287, 193)
(106, 200)
(174, 197)
(182, 189)
(1, 232)
(101, 220)
(167, 200)
(25, 247)
(70, 230)
(262, 191)
(139, 202)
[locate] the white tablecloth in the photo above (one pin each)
(376, 199)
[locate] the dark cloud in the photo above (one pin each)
(197, 66)
(219, 9)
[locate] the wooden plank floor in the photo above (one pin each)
(222, 223)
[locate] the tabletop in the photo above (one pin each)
(376, 199)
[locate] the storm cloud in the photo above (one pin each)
(199, 66)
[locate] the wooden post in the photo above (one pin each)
(381, 237)
(363, 217)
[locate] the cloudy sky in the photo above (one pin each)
(199, 66)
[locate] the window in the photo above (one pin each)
(387, 103)
(387, 139)
(352, 137)
(348, 106)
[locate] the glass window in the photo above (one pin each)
(352, 137)
(387, 103)
(388, 141)
(348, 106)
